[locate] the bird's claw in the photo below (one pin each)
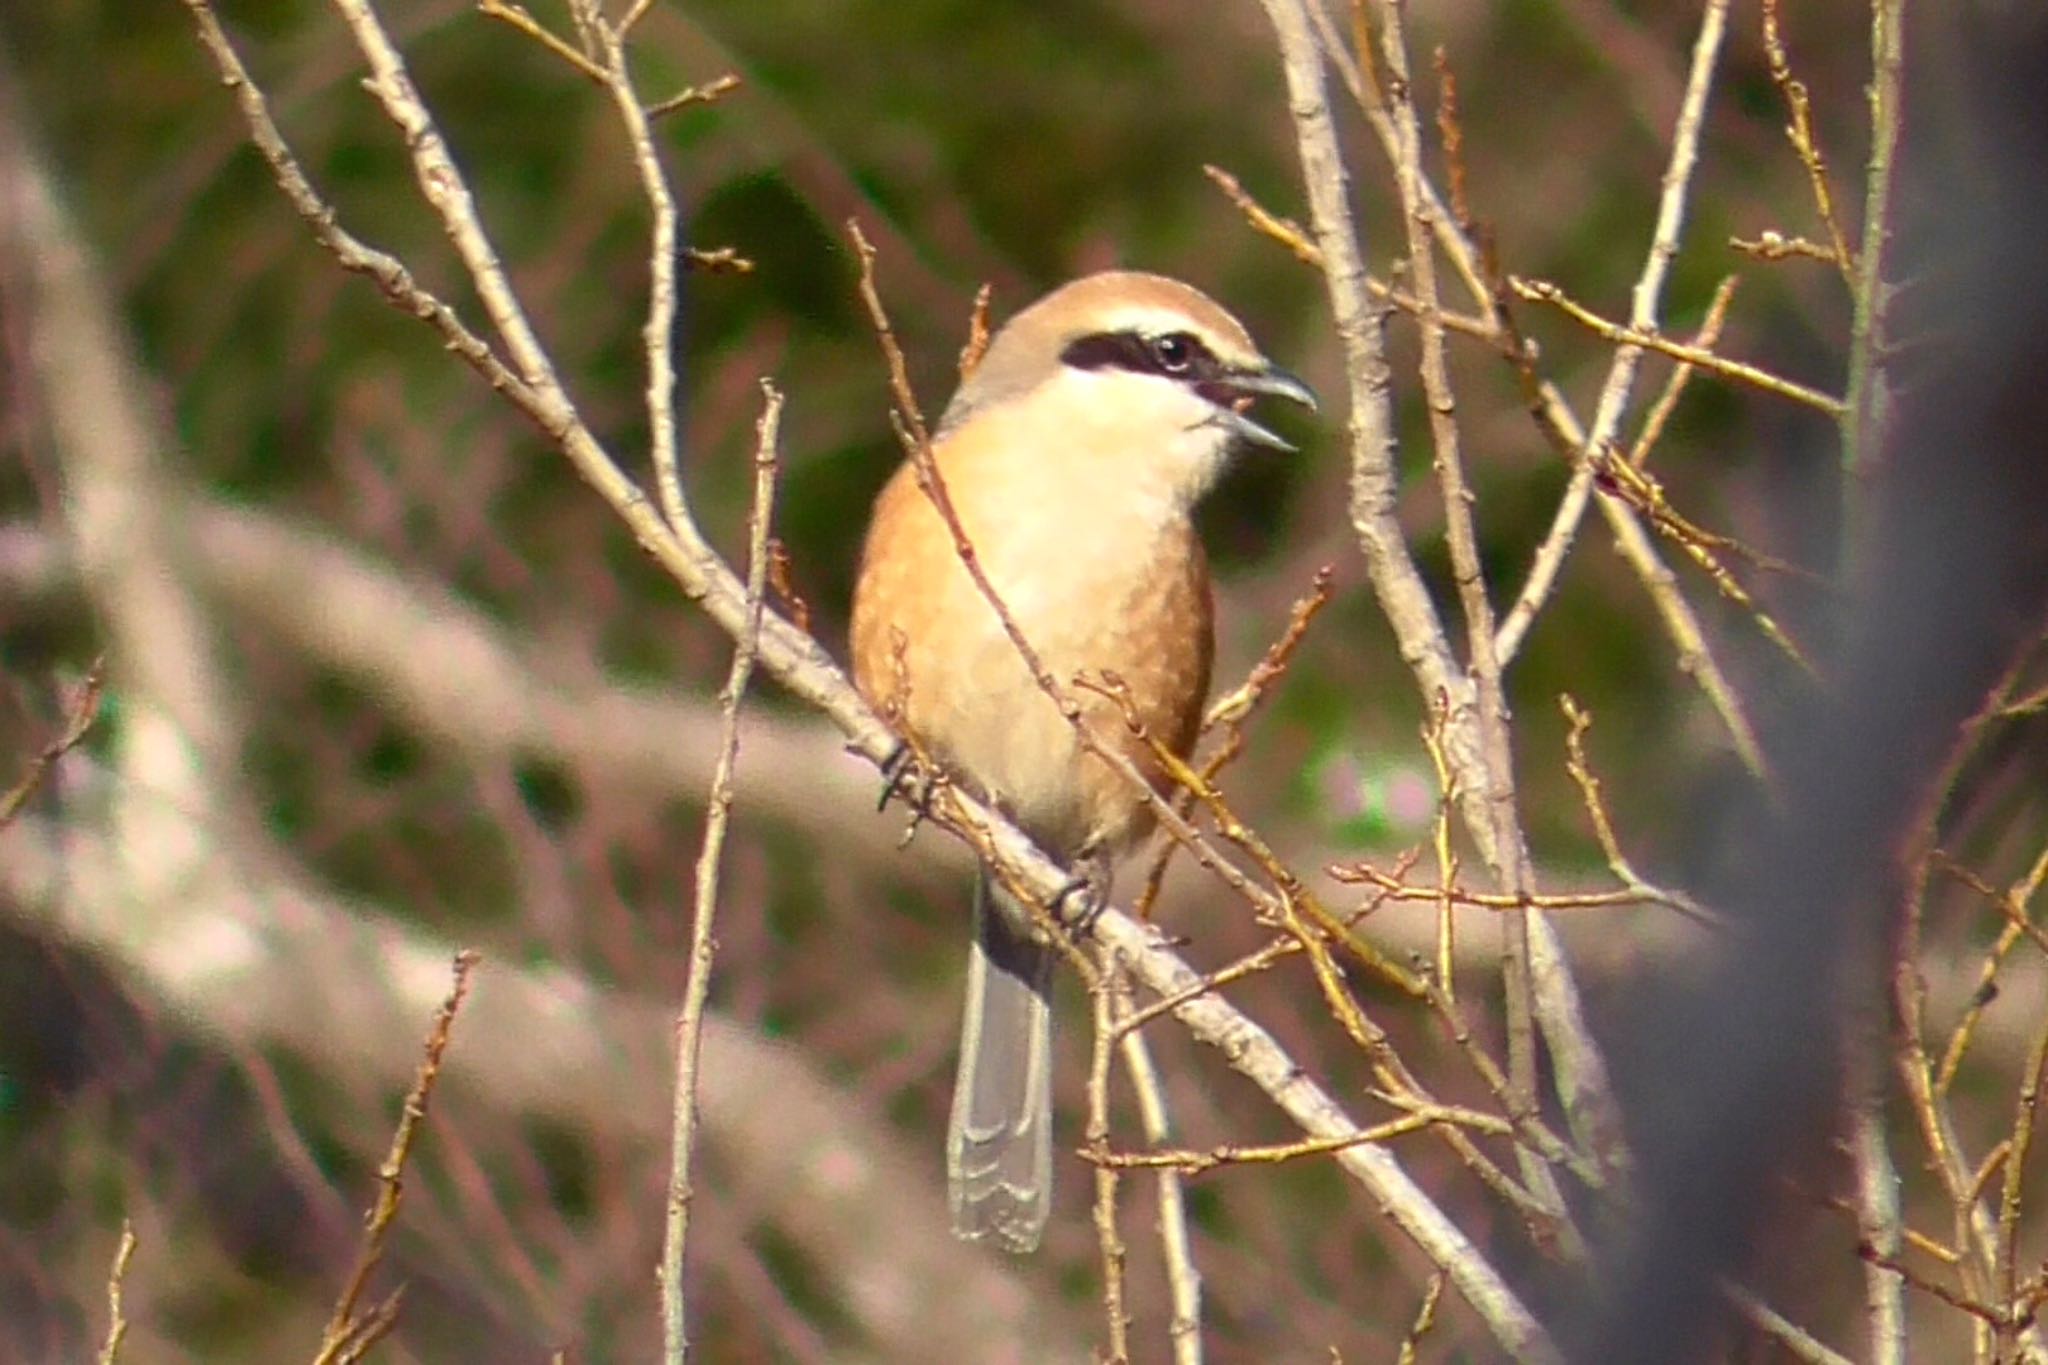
(903, 777)
(1088, 890)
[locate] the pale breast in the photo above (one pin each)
(1092, 584)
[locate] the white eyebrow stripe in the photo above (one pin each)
(1153, 321)
(1150, 321)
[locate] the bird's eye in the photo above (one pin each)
(1175, 352)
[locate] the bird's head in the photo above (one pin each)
(1149, 371)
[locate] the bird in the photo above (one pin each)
(1073, 455)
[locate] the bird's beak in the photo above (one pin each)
(1270, 381)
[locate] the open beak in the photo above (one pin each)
(1243, 386)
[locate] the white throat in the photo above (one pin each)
(1160, 443)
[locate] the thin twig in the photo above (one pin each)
(1234, 709)
(1108, 1237)
(1962, 1300)
(1183, 1277)
(1194, 1163)
(1577, 722)
(2032, 704)
(1805, 144)
(633, 15)
(1627, 480)
(1506, 850)
(1425, 1318)
(1440, 841)
(1285, 231)
(1964, 1033)
(976, 345)
(348, 1334)
(1866, 399)
(712, 90)
(1795, 1339)
(657, 336)
(1879, 1222)
(718, 260)
(1681, 374)
(1681, 621)
(117, 1276)
(2025, 1110)
(1628, 484)
(1210, 983)
(703, 945)
(1395, 888)
(1306, 39)
(1640, 337)
(350, 253)
(85, 709)
(1772, 245)
(1644, 304)
(521, 19)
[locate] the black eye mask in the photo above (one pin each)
(1181, 356)
(1184, 358)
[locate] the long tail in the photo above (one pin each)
(999, 1144)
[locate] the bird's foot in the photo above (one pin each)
(902, 777)
(1081, 901)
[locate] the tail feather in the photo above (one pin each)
(999, 1143)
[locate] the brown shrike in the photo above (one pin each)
(1074, 455)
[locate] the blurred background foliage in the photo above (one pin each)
(1016, 144)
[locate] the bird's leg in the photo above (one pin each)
(901, 777)
(1087, 887)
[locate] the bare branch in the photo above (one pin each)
(1805, 145)
(1108, 1236)
(1867, 399)
(1644, 305)
(1183, 1277)
(1506, 849)
(117, 1276)
(1375, 484)
(703, 947)
(84, 711)
(1644, 338)
(349, 1334)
